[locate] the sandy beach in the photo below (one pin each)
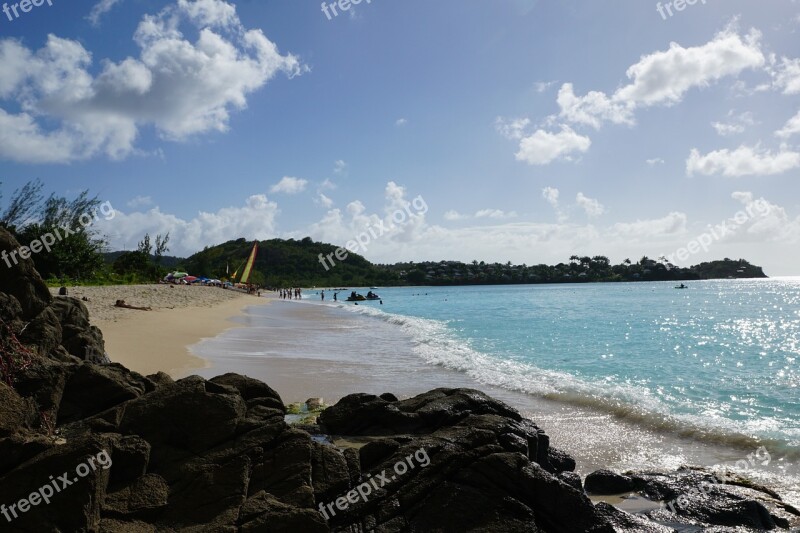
(152, 341)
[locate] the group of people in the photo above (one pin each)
(289, 294)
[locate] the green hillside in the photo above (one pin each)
(289, 263)
(284, 263)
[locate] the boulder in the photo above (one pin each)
(21, 280)
(605, 482)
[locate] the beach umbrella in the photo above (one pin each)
(179, 275)
(190, 279)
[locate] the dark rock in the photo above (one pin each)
(559, 461)
(692, 496)
(91, 389)
(389, 397)
(79, 337)
(74, 507)
(572, 479)
(184, 416)
(43, 334)
(330, 475)
(131, 457)
(264, 512)
(22, 281)
(15, 413)
(605, 482)
(146, 493)
(161, 378)
(251, 389)
(627, 523)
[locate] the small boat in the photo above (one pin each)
(372, 296)
(681, 286)
(355, 297)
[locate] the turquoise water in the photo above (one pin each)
(720, 360)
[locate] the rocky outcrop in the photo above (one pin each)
(90, 446)
(52, 328)
(693, 497)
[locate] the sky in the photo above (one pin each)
(511, 130)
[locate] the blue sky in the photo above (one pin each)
(532, 130)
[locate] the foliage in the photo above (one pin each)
(580, 269)
(288, 263)
(75, 253)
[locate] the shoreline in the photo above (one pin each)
(324, 364)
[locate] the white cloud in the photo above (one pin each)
(787, 76)
(514, 129)
(663, 78)
(401, 122)
(140, 201)
(495, 214)
(727, 129)
(542, 86)
(743, 161)
(289, 185)
(340, 168)
(324, 201)
(592, 207)
(551, 194)
(327, 185)
(593, 109)
(544, 147)
(99, 9)
(791, 127)
(655, 161)
(672, 224)
(736, 124)
(254, 220)
(453, 215)
(180, 88)
(766, 222)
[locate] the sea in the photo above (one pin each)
(621, 375)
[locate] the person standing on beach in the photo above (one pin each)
(323, 296)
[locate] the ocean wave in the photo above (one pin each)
(436, 344)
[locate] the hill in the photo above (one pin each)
(297, 263)
(289, 263)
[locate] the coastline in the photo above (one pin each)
(306, 350)
(154, 341)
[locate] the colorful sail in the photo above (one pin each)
(249, 266)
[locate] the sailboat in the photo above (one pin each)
(248, 266)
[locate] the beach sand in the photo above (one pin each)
(158, 340)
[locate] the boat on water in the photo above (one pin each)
(681, 286)
(355, 297)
